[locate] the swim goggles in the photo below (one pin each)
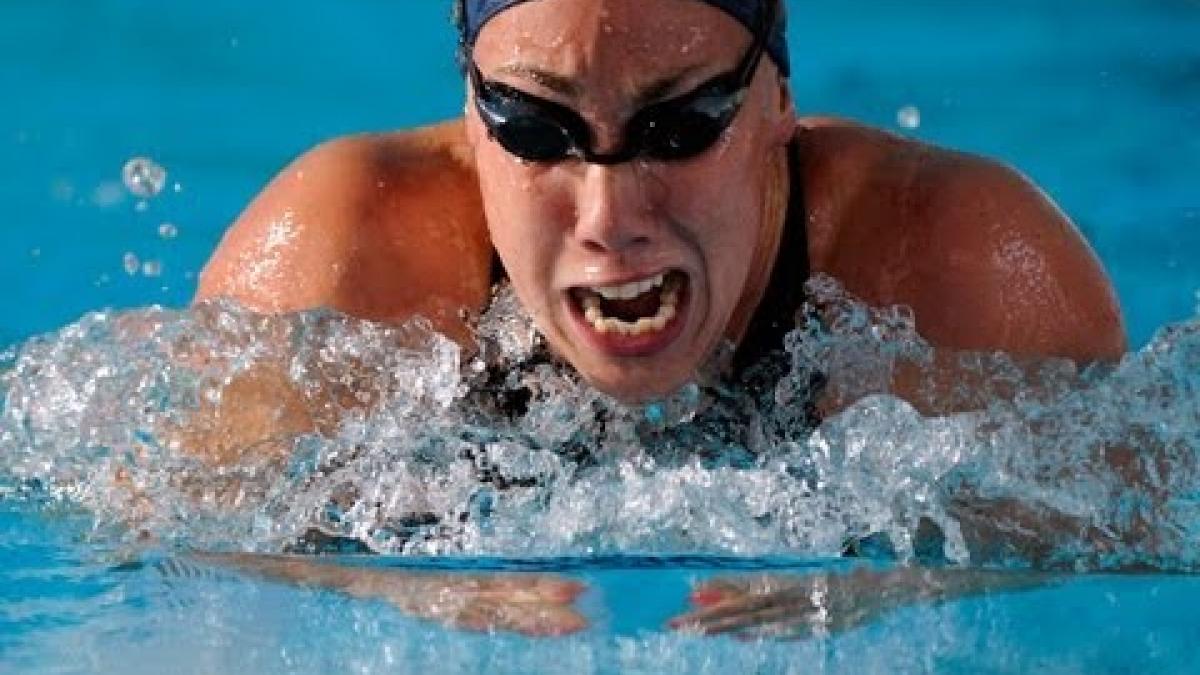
(538, 130)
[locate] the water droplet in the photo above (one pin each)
(143, 177)
(168, 231)
(131, 263)
(152, 268)
(908, 117)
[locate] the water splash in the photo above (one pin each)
(217, 428)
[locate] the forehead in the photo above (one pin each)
(617, 42)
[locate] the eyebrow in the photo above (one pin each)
(571, 89)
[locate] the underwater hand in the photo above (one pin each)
(791, 607)
(530, 605)
(535, 605)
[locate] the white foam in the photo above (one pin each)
(88, 414)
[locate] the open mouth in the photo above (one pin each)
(640, 310)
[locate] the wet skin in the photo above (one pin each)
(565, 225)
(388, 226)
(393, 225)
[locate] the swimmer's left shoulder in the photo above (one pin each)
(983, 256)
(923, 184)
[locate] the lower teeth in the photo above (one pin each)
(603, 324)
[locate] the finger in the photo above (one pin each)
(555, 589)
(758, 619)
(551, 621)
(802, 625)
(794, 628)
(723, 610)
(713, 593)
(531, 589)
(529, 620)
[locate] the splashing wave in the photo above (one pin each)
(216, 428)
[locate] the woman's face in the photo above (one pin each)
(578, 239)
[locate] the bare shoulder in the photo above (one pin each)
(984, 257)
(381, 226)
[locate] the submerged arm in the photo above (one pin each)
(820, 604)
(538, 605)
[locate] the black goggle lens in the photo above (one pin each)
(539, 130)
(677, 130)
(542, 131)
(533, 138)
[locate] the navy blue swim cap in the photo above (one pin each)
(473, 14)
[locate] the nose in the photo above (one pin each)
(616, 209)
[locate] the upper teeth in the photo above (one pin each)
(630, 290)
(668, 296)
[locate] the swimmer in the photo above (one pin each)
(639, 174)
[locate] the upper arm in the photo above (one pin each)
(380, 227)
(1013, 273)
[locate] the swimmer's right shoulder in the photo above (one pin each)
(380, 226)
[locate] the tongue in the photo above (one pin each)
(633, 309)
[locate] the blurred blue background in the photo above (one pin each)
(1097, 100)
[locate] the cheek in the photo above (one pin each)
(513, 190)
(722, 218)
(526, 215)
(721, 213)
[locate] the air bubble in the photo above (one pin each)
(152, 268)
(168, 231)
(143, 177)
(908, 117)
(131, 264)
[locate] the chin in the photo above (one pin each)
(644, 384)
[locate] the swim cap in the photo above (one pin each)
(473, 14)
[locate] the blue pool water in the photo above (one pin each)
(1098, 101)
